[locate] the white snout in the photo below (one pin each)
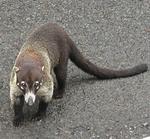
(30, 98)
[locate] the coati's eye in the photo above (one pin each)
(22, 85)
(37, 85)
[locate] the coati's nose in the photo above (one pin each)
(30, 101)
(30, 98)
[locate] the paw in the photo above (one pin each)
(57, 95)
(17, 121)
(38, 116)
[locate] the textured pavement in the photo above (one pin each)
(111, 33)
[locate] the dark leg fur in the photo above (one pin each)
(41, 110)
(61, 73)
(18, 110)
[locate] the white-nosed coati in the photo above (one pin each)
(40, 69)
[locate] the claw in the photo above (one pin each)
(38, 116)
(17, 121)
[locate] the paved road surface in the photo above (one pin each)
(112, 33)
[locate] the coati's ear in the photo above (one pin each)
(16, 69)
(42, 68)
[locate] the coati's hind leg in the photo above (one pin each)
(61, 73)
(41, 110)
(18, 110)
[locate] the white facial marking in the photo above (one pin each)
(37, 82)
(23, 82)
(37, 87)
(21, 87)
(18, 84)
(30, 96)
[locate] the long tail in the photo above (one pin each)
(102, 73)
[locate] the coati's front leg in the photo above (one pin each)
(41, 110)
(61, 73)
(18, 110)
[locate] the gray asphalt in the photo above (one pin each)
(111, 33)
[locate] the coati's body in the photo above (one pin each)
(43, 59)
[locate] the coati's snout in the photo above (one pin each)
(29, 81)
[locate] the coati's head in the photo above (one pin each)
(29, 81)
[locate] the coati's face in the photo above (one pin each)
(29, 81)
